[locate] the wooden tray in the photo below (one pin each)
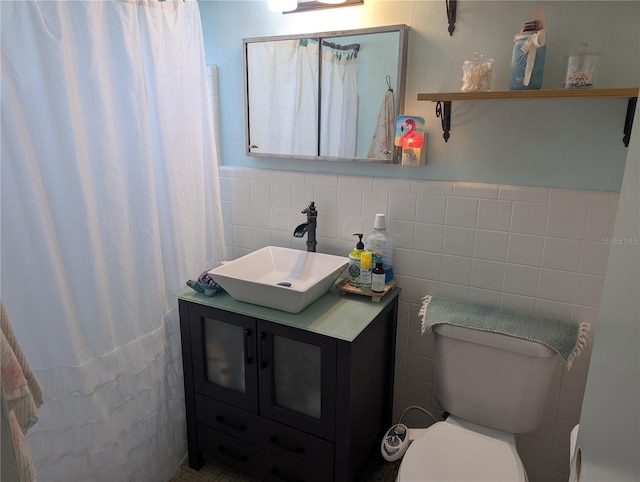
(344, 287)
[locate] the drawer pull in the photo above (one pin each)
(240, 427)
(232, 453)
(279, 475)
(286, 445)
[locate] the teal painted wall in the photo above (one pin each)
(565, 143)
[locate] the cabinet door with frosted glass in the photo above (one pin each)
(224, 352)
(297, 378)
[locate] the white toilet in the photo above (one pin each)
(493, 386)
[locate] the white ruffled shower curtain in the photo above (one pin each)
(109, 202)
(283, 88)
(339, 101)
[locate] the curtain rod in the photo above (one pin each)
(355, 47)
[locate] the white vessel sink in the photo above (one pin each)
(281, 278)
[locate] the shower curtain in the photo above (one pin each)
(339, 100)
(109, 202)
(283, 88)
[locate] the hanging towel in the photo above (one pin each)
(21, 396)
(21, 387)
(567, 338)
(381, 146)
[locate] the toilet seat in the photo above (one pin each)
(449, 452)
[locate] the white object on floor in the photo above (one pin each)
(439, 453)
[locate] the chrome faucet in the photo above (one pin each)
(309, 227)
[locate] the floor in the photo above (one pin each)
(211, 471)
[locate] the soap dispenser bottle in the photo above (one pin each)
(355, 258)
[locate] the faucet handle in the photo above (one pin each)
(310, 209)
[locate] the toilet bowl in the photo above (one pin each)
(458, 450)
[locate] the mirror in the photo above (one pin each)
(329, 96)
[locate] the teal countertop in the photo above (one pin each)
(339, 316)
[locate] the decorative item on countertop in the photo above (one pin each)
(205, 284)
(582, 68)
(410, 137)
(476, 73)
(529, 51)
(355, 257)
(345, 287)
(379, 241)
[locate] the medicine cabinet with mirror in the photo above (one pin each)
(325, 96)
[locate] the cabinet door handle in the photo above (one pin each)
(248, 359)
(291, 447)
(240, 427)
(232, 453)
(263, 350)
(287, 478)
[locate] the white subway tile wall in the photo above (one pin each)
(534, 249)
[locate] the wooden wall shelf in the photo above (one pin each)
(444, 99)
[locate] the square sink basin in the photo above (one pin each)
(282, 278)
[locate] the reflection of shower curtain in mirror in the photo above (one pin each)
(282, 84)
(339, 112)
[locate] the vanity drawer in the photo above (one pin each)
(297, 446)
(229, 450)
(250, 458)
(228, 419)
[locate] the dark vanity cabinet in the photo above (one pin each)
(303, 397)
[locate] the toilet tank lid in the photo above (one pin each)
(495, 340)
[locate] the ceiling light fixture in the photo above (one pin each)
(308, 5)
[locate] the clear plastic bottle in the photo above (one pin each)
(380, 242)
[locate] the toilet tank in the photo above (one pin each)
(494, 380)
